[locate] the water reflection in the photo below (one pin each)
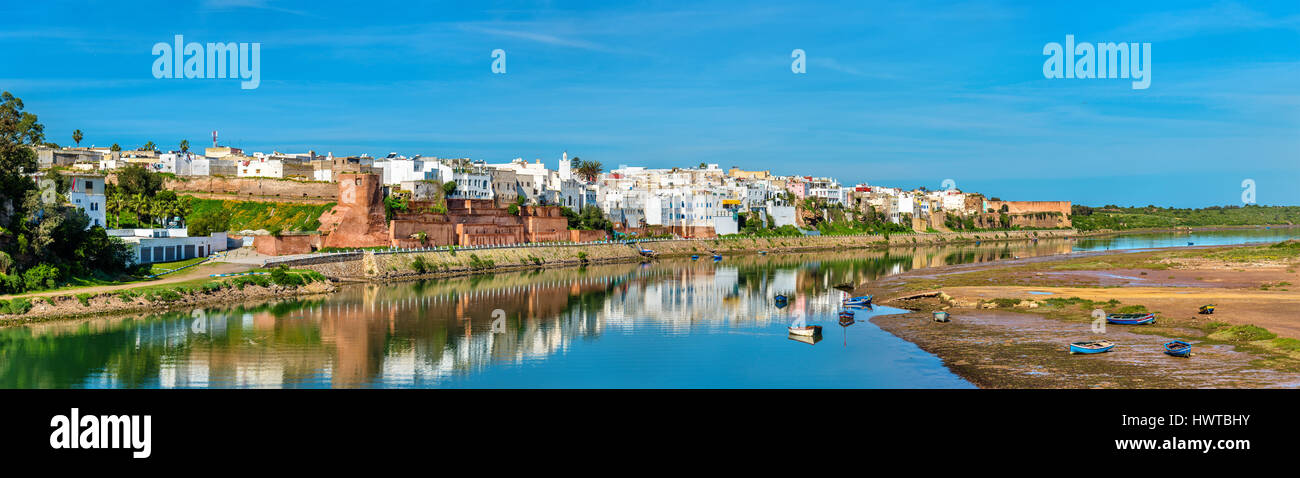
(673, 323)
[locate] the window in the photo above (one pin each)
(90, 186)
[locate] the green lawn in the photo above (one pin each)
(161, 267)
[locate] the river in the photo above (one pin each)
(674, 323)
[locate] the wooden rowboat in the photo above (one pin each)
(940, 316)
(807, 339)
(1131, 319)
(1178, 348)
(807, 331)
(1206, 309)
(1093, 347)
(863, 300)
(846, 321)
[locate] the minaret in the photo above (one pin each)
(565, 167)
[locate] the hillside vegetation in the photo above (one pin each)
(1119, 218)
(254, 215)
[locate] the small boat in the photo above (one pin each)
(717, 257)
(807, 339)
(1178, 348)
(780, 298)
(762, 253)
(1131, 319)
(1206, 309)
(846, 313)
(1094, 347)
(940, 316)
(1189, 243)
(863, 300)
(846, 321)
(695, 257)
(807, 331)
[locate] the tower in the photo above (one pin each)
(566, 168)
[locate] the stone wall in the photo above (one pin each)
(287, 244)
(358, 218)
(587, 236)
(1030, 207)
(392, 266)
(254, 187)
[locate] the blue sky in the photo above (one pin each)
(896, 93)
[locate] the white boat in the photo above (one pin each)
(806, 331)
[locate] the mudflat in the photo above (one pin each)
(1012, 321)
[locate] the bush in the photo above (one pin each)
(418, 265)
(282, 276)
(11, 283)
(43, 276)
(168, 295)
(84, 299)
(17, 306)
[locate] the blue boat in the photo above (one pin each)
(780, 298)
(717, 257)
(762, 253)
(1131, 319)
(695, 257)
(1178, 348)
(846, 314)
(1094, 347)
(940, 316)
(863, 300)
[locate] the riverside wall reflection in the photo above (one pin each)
(425, 334)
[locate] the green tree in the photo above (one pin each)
(76, 136)
(590, 170)
(449, 188)
(185, 145)
(148, 146)
(115, 148)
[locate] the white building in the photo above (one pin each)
(168, 245)
(86, 192)
(472, 178)
(180, 164)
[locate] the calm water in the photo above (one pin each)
(675, 323)
(1207, 238)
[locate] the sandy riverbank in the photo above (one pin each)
(1013, 320)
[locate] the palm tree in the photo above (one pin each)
(590, 170)
(162, 210)
(185, 145)
(149, 146)
(114, 204)
(140, 205)
(114, 147)
(76, 136)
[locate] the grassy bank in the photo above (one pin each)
(254, 215)
(149, 297)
